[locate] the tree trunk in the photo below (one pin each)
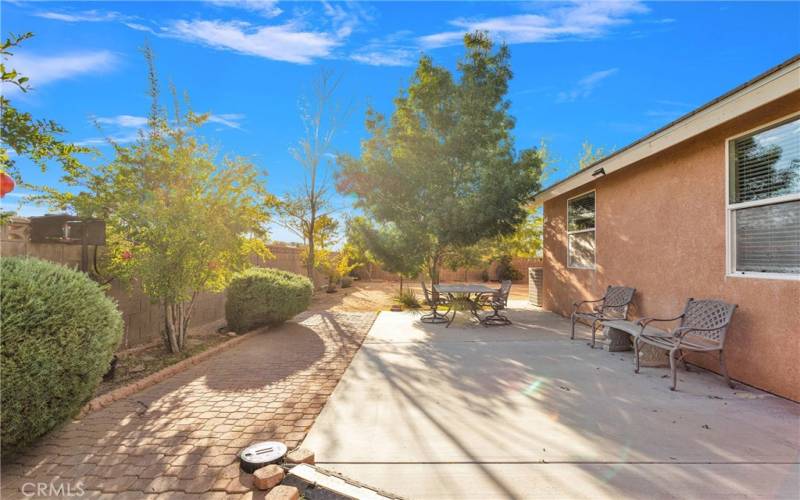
(176, 323)
(312, 226)
(401, 284)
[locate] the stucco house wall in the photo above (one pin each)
(660, 227)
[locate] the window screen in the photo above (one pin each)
(765, 200)
(768, 238)
(581, 231)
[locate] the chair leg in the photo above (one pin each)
(673, 368)
(572, 335)
(636, 354)
(683, 360)
(594, 332)
(724, 369)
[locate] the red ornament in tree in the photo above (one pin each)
(127, 255)
(6, 184)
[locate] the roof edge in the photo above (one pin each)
(783, 83)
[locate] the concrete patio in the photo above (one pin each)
(523, 412)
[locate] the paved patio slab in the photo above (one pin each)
(523, 412)
(180, 437)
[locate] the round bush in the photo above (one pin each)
(59, 332)
(262, 296)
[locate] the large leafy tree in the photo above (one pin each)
(21, 133)
(396, 251)
(444, 164)
(179, 220)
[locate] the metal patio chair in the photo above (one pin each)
(434, 301)
(498, 301)
(613, 305)
(702, 329)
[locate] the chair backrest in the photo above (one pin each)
(617, 300)
(712, 315)
(505, 289)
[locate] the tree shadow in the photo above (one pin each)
(584, 408)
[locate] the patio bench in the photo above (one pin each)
(702, 328)
(613, 305)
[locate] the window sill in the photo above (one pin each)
(765, 276)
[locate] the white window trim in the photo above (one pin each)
(594, 230)
(730, 209)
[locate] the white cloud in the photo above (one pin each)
(286, 42)
(123, 121)
(389, 50)
(577, 20)
(231, 120)
(386, 57)
(140, 27)
(344, 21)
(585, 86)
(121, 139)
(266, 8)
(92, 16)
(47, 69)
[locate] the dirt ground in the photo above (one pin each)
(366, 296)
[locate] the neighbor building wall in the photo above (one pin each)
(660, 227)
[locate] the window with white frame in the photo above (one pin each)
(764, 202)
(580, 231)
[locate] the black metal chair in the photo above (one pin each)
(613, 305)
(703, 326)
(498, 301)
(434, 301)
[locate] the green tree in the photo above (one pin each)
(444, 165)
(35, 139)
(591, 155)
(396, 252)
(179, 221)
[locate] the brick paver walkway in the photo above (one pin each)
(181, 436)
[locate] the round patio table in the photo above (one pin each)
(467, 294)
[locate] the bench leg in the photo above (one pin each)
(572, 335)
(635, 354)
(724, 369)
(594, 332)
(682, 359)
(673, 368)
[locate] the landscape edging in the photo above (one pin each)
(123, 392)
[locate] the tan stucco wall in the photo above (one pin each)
(661, 228)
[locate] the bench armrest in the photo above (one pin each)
(645, 321)
(577, 305)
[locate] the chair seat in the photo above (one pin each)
(591, 315)
(689, 342)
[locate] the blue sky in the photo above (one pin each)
(606, 72)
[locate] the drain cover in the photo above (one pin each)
(258, 455)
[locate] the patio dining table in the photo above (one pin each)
(466, 294)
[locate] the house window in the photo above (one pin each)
(580, 231)
(764, 202)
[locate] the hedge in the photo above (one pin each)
(59, 333)
(263, 296)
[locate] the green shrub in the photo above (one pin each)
(407, 298)
(59, 332)
(346, 282)
(263, 296)
(506, 271)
